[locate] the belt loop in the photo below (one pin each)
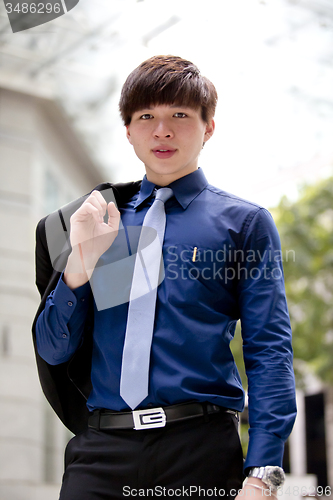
(205, 413)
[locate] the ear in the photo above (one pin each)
(210, 127)
(128, 134)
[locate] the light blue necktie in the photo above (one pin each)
(141, 311)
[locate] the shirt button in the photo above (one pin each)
(64, 335)
(82, 300)
(70, 303)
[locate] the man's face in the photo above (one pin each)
(168, 139)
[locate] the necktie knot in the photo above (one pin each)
(163, 194)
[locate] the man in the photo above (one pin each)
(152, 362)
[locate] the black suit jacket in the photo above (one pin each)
(68, 385)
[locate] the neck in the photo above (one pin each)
(164, 180)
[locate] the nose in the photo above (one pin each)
(162, 129)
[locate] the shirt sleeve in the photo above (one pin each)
(267, 346)
(60, 326)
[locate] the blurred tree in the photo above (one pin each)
(306, 230)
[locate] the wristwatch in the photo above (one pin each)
(272, 475)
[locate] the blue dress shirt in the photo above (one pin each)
(223, 262)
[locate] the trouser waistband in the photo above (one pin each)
(152, 417)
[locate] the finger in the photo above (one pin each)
(95, 201)
(114, 215)
(85, 211)
(100, 198)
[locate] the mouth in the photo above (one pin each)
(164, 152)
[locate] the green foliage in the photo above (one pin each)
(306, 230)
(236, 347)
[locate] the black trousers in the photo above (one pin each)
(195, 458)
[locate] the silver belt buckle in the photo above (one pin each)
(149, 419)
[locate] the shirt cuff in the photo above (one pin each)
(68, 300)
(264, 449)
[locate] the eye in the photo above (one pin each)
(146, 116)
(180, 115)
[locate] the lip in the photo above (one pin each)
(164, 152)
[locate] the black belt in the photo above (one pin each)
(152, 417)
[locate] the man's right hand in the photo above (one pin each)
(90, 237)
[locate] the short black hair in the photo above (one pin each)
(167, 80)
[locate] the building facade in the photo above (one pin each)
(44, 165)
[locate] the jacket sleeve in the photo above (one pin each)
(67, 385)
(44, 268)
(267, 346)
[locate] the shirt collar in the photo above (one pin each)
(184, 189)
